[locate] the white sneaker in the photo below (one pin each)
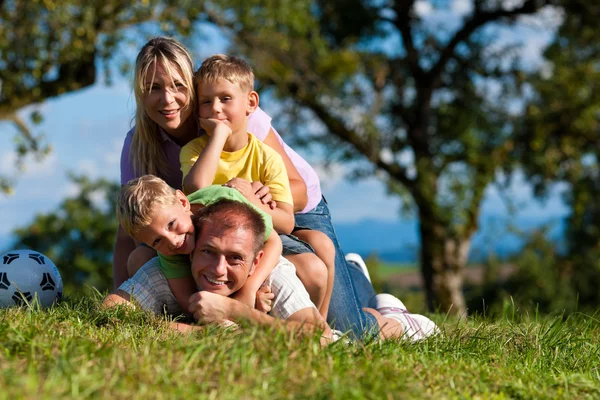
(358, 260)
(416, 327)
(385, 300)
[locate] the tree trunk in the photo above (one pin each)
(443, 260)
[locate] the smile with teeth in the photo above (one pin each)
(168, 113)
(219, 283)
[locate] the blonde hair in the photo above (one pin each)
(146, 150)
(233, 69)
(137, 201)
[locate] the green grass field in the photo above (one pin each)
(76, 351)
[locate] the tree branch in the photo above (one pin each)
(478, 19)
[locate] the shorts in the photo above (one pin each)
(292, 245)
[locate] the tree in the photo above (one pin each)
(79, 236)
(49, 47)
(412, 99)
(562, 127)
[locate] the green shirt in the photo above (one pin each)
(178, 266)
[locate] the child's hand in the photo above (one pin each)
(245, 296)
(264, 299)
(211, 125)
(263, 192)
(243, 186)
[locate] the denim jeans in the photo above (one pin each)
(351, 288)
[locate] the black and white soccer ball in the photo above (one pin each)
(26, 275)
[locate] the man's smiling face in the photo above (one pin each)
(223, 258)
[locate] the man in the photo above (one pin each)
(229, 241)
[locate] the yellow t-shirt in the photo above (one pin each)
(255, 162)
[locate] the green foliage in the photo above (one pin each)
(410, 100)
(76, 351)
(49, 48)
(559, 139)
(79, 236)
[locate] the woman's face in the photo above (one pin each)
(165, 99)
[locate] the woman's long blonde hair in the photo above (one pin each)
(146, 150)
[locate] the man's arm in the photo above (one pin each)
(214, 308)
(120, 298)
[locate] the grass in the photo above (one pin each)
(75, 351)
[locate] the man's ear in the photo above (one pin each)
(255, 262)
(252, 102)
(183, 200)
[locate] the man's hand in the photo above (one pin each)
(263, 192)
(209, 308)
(211, 125)
(264, 299)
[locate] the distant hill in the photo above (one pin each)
(398, 241)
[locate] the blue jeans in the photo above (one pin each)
(351, 288)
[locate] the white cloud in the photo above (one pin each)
(423, 8)
(32, 167)
(462, 7)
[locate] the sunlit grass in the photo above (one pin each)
(73, 350)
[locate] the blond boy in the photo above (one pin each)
(232, 156)
(159, 216)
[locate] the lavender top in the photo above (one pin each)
(259, 124)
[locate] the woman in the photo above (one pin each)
(165, 121)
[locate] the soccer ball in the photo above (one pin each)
(26, 275)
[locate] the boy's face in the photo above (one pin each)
(171, 230)
(226, 102)
(223, 259)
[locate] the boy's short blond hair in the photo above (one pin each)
(233, 69)
(138, 199)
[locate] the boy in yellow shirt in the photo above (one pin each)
(232, 156)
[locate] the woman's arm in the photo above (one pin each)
(124, 245)
(297, 184)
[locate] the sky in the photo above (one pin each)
(87, 128)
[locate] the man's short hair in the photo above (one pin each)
(138, 199)
(231, 214)
(233, 69)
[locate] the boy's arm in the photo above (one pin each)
(182, 289)
(282, 215)
(270, 258)
(297, 184)
(203, 171)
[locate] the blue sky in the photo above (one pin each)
(87, 128)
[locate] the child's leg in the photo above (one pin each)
(324, 249)
(313, 274)
(138, 257)
(182, 289)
